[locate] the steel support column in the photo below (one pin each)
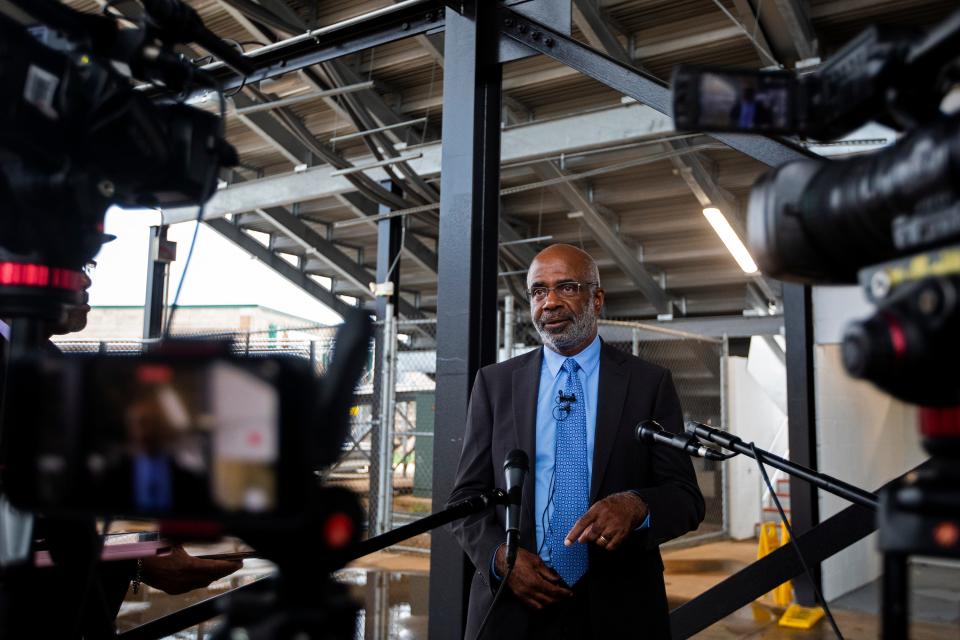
(158, 257)
(801, 418)
(467, 278)
(388, 269)
(389, 244)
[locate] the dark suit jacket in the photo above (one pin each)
(626, 589)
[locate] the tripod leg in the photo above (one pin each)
(895, 596)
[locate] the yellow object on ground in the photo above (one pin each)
(797, 617)
(772, 537)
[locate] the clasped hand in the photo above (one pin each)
(612, 519)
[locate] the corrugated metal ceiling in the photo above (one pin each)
(650, 205)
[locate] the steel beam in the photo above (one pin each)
(341, 74)
(315, 244)
(523, 253)
(759, 40)
(739, 590)
(609, 239)
(283, 10)
(467, 283)
(632, 82)
(683, 43)
(413, 247)
(375, 103)
(261, 32)
(278, 264)
(355, 274)
(801, 419)
(790, 27)
(378, 27)
(595, 26)
(263, 15)
(709, 327)
(421, 253)
(284, 130)
(268, 126)
(592, 130)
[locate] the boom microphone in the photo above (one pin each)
(515, 469)
(724, 439)
(651, 432)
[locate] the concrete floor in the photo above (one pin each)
(393, 591)
(688, 572)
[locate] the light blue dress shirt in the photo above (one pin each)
(552, 381)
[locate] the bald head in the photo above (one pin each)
(566, 298)
(579, 263)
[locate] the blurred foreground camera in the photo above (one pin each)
(889, 220)
(862, 219)
(186, 431)
(206, 441)
(76, 137)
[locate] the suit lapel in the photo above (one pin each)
(611, 395)
(526, 384)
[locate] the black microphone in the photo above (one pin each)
(651, 432)
(710, 434)
(515, 469)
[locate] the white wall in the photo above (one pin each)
(833, 308)
(864, 436)
(755, 413)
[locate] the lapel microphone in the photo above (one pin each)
(562, 407)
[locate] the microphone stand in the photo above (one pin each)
(206, 609)
(820, 480)
(459, 509)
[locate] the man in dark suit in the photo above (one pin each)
(597, 503)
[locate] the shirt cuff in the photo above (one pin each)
(646, 521)
(643, 525)
(493, 564)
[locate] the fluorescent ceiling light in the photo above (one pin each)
(733, 243)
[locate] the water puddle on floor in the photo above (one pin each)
(393, 605)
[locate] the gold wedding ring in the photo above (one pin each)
(602, 540)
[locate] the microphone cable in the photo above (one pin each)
(496, 598)
(199, 220)
(793, 540)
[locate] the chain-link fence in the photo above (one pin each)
(392, 421)
(697, 364)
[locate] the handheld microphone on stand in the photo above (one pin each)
(515, 469)
(651, 432)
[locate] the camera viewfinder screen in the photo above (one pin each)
(190, 438)
(745, 102)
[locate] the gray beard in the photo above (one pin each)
(583, 325)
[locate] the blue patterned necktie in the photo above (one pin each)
(571, 493)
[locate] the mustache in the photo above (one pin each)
(553, 317)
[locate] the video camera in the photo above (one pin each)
(889, 220)
(207, 441)
(78, 137)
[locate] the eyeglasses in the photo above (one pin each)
(569, 289)
(89, 268)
